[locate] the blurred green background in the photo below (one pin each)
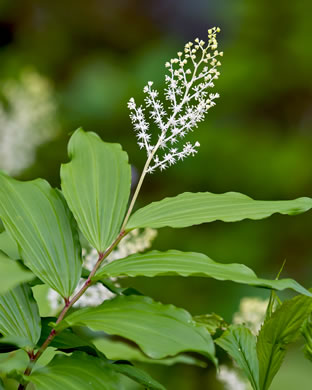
(97, 54)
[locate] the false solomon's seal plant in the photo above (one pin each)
(41, 244)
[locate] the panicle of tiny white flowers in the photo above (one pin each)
(135, 241)
(189, 77)
(251, 313)
(27, 122)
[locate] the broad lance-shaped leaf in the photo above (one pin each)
(9, 246)
(281, 329)
(139, 376)
(159, 330)
(195, 208)
(155, 263)
(19, 316)
(12, 274)
(240, 344)
(96, 184)
(76, 372)
(38, 219)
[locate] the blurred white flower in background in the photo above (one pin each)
(27, 119)
(136, 241)
(251, 313)
(229, 377)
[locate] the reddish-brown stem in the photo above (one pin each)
(68, 304)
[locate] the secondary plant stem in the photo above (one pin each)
(69, 303)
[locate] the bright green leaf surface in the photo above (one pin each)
(38, 219)
(76, 372)
(282, 328)
(159, 330)
(118, 350)
(240, 344)
(96, 185)
(19, 316)
(12, 274)
(174, 262)
(195, 208)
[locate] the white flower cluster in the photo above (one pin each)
(26, 121)
(135, 241)
(251, 313)
(191, 74)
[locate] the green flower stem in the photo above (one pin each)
(68, 304)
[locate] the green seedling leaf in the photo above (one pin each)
(96, 185)
(240, 344)
(38, 219)
(174, 262)
(281, 329)
(189, 209)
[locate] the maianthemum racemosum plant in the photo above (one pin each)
(41, 245)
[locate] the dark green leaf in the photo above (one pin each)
(240, 344)
(281, 329)
(159, 330)
(19, 316)
(12, 274)
(173, 262)
(38, 219)
(96, 185)
(138, 376)
(195, 208)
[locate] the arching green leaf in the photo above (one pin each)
(96, 185)
(12, 274)
(38, 219)
(195, 208)
(19, 316)
(119, 350)
(159, 330)
(155, 263)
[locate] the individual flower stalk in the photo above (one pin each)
(190, 76)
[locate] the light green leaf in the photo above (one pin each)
(159, 330)
(240, 344)
(9, 246)
(16, 360)
(195, 208)
(96, 184)
(38, 219)
(281, 329)
(307, 333)
(19, 316)
(118, 350)
(174, 262)
(138, 376)
(76, 372)
(12, 274)
(212, 322)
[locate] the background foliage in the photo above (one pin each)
(257, 140)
